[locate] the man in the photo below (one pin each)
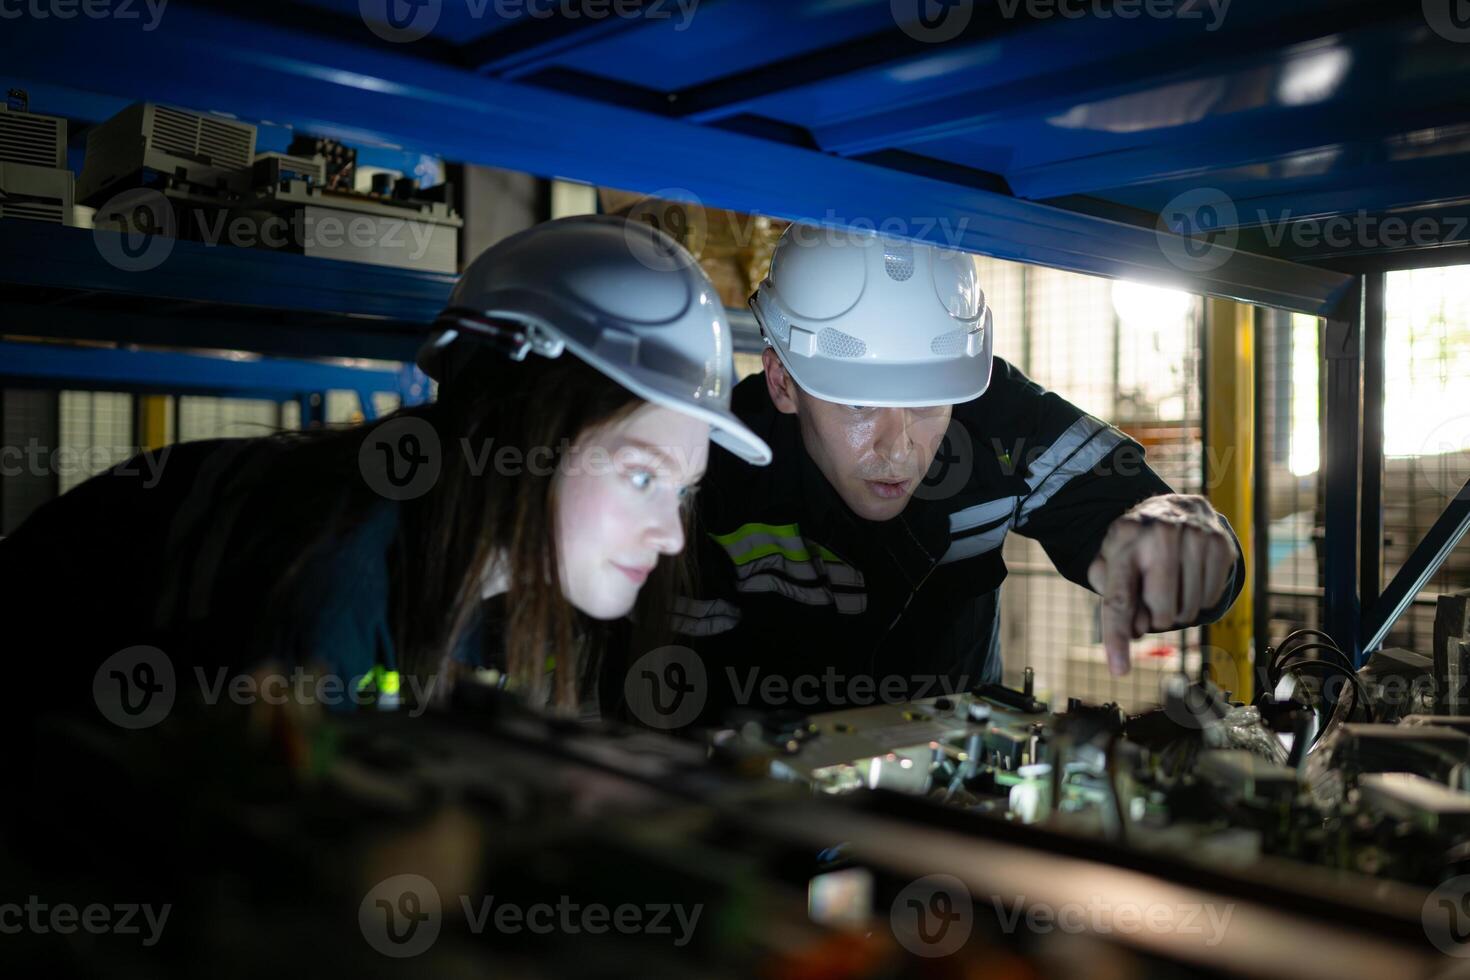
(838, 574)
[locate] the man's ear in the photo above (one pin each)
(778, 383)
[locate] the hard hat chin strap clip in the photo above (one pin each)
(513, 339)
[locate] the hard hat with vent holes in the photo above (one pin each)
(619, 294)
(864, 320)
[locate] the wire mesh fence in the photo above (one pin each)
(1130, 355)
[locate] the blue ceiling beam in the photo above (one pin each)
(1274, 145)
(1426, 187)
(535, 43)
(1124, 58)
(205, 60)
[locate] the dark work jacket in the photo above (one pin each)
(181, 553)
(798, 594)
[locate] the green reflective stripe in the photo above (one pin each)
(746, 530)
(771, 548)
(386, 681)
(751, 541)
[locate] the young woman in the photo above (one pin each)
(583, 366)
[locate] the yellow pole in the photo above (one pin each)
(152, 421)
(1229, 329)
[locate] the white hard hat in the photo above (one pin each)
(864, 320)
(622, 296)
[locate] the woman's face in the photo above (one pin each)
(621, 491)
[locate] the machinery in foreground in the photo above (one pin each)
(978, 833)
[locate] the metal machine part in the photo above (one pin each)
(1452, 654)
(298, 827)
(1199, 778)
(1432, 806)
(1241, 776)
(409, 232)
(203, 152)
(1432, 750)
(35, 184)
(275, 168)
(302, 202)
(32, 139)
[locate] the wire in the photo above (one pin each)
(1301, 634)
(1274, 673)
(1359, 696)
(1294, 634)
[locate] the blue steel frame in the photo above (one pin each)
(272, 379)
(1360, 609)
(379, 95)
(1341, 471)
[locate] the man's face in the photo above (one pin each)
(873, 457)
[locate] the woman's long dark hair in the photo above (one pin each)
(478, 513)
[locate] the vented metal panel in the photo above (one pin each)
(36, 140)
(188, 135)
(31, 211)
